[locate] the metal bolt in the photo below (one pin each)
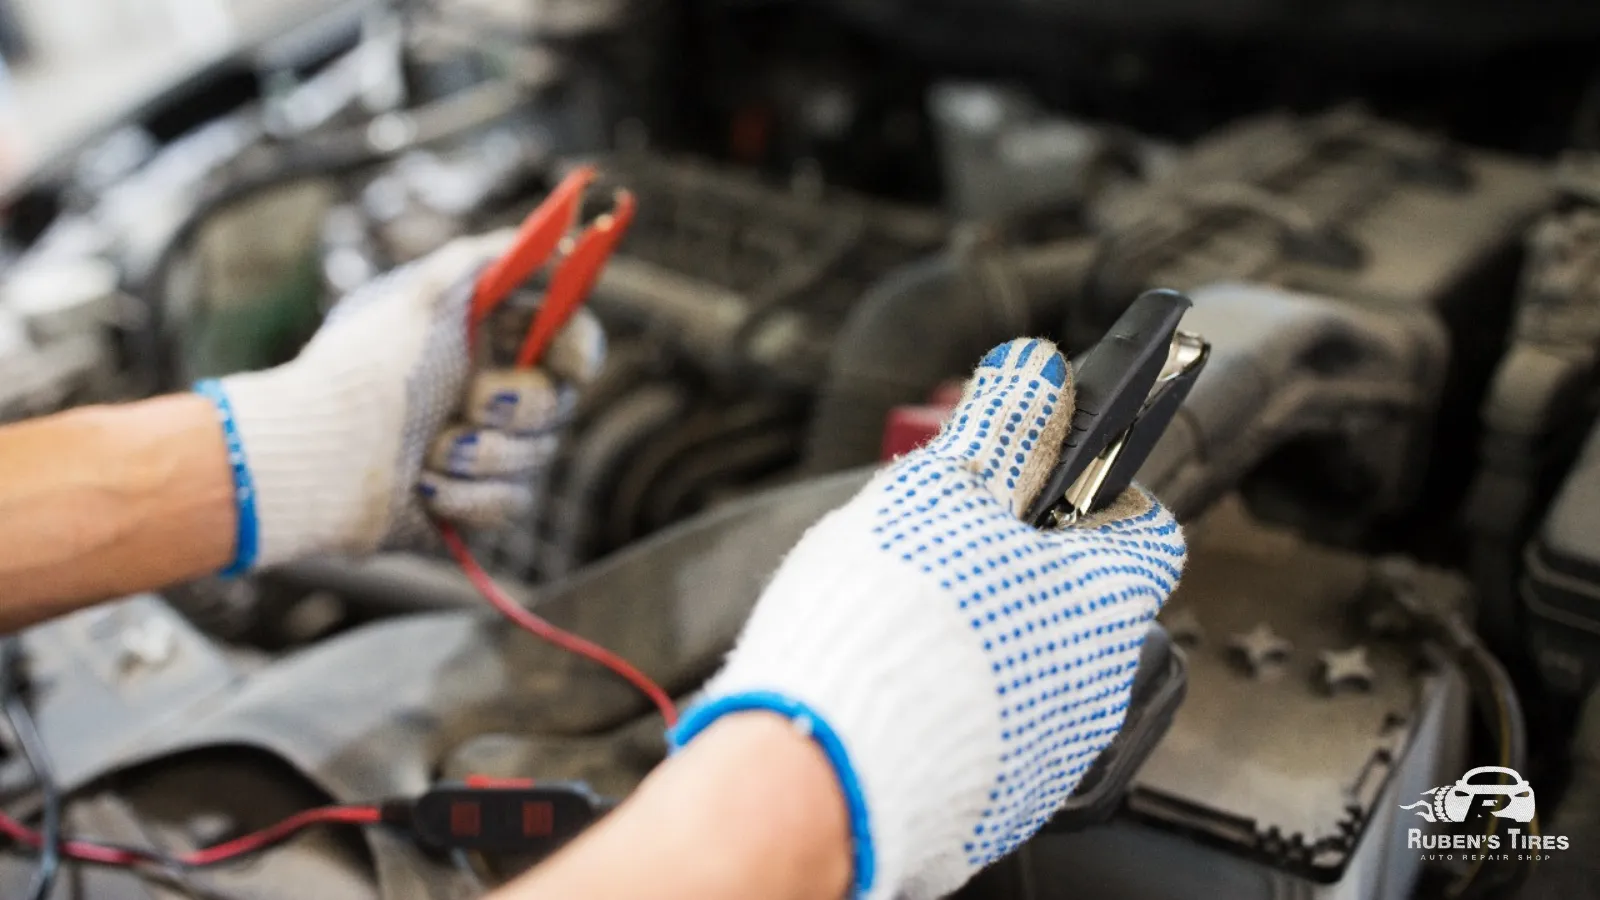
(1259, 649)
(208, 828)
(1346, 669)
(148, 643)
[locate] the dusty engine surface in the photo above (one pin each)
(56, 326)
(833, 224)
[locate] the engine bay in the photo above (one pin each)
(1387, 469)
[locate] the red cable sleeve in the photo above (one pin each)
(87, 851)
(266, 837)
(544, 631)
(79, 850)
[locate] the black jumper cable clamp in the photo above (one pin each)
(1127, 387)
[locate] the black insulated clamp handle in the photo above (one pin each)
(1158, 690)
(1112, 383)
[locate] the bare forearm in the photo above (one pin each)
(750, 808)
(105, 501)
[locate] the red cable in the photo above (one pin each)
(87, 851)
(544, 631)
(90, 852)
(78, 850)
(535, 241)
(104, 854)
(266, 837)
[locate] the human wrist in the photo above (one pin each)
(779, 797)
(187, 467)
(849, 648)
(169, 468)
(140, 491)
(302, 449)
(169, 444)
(732, 712)
(971, 665)
(750, 809)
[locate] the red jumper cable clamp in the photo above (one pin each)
(548, 232)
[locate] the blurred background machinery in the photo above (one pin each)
(1391, 245)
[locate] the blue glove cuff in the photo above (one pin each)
(247, 540)
(701, 715)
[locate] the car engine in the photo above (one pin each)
(1388, 470)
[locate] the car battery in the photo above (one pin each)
(1307, 726)
(1560, 585)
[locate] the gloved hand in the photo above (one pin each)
(345, 448)
(960, 668)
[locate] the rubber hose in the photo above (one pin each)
(598, 458)
(927, 322)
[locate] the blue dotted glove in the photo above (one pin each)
(383, 419)
(961, 668)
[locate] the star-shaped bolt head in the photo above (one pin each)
(1259, 649)
(1346, 670)
(1184, 628)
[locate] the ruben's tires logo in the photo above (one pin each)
(1490, 803)
(1478, 794)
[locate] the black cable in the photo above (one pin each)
(1496, 696)
(470, 865)
(1495, 692)
(1502, 693)
(175, 878)
(165, 871)
(27, 735)
(21, 722)
(1498, 684)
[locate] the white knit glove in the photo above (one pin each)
(960, 668)
(344, 449)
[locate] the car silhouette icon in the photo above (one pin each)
(1460, 797)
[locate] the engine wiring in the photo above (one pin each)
(33, 750)
(228, 851)
(1505, 710)
(1496, 697)
(175, 878)
(54, 848)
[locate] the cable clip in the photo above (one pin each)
(497, 815)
